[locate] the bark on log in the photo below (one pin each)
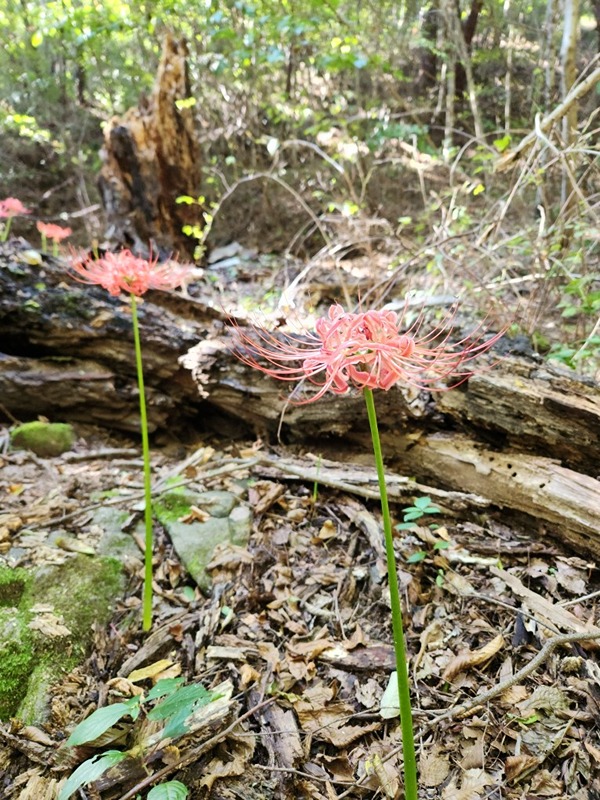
(66, 349)
(150, 157)
(521, 434)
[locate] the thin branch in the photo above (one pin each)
(509, 159)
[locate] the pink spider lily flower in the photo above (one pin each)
(11, 207)
(126, 272)
(364, 350)
(54, 232)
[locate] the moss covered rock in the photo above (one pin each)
(228, 521)
(46, 627)
(45, 439)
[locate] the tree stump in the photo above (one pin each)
(150, 157)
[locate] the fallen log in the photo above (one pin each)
(67, 352)
(521, 434)
(557, 500)
(520, 404)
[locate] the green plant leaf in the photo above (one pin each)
(412, 513)
(185, 698)
(172, 790)
(405, 526)
(90, 771)
(420, 555)
(164, 687)
(101, 720)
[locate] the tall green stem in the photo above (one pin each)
(5, 232)
(408, 741)
(147, 598)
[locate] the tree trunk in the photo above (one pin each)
(427, 55)
(150, 157)
(568, 56)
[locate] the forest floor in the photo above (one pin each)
(296, 636)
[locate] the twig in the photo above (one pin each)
(195, 754)
(109, 452)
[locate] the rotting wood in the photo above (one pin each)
(558, 501)
(150, 157)
(66, 350)
(539, 409)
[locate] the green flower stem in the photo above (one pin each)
(44, 243)
(55, 248)
(6, 230)
(408, 741)
(147, 600)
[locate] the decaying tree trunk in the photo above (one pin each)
(150, 157)
(520, 433)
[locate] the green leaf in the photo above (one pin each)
(420, 555)
(37, 39)
(186, 698)
(164, 687)
(187, 102)
(101, 720)
(405, 526)
(422, 502)
(178, 707)
(90, 771)
(172, 790)
(502, 144)
(441, 545)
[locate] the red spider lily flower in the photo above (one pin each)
(125, 272)
(11, 207)
(54, 232)
(364, 350)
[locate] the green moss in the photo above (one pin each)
(172, 505)
(82, 591)
(16, 660)
(45, 439)
(13, 583)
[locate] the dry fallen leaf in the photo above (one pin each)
(434, 766)
(150, 671)
(473, 658)
(519, 766)
(239, 747)
(49, 624)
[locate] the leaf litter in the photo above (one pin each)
(295, 637)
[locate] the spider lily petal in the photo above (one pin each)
(54, 232)
(125, 272)
(11, 207)
(364, 350)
